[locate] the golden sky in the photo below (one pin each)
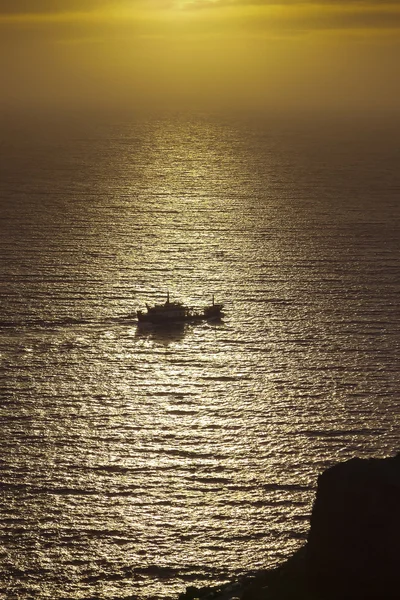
(201, 53)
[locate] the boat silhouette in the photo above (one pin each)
(177, 312)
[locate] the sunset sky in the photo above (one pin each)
(200, 53)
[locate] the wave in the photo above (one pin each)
(45, 323)
(333, 433)
(63, 322)
(153, 571)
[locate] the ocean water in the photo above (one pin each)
(135, 462)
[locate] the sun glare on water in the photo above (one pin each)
(194, 4)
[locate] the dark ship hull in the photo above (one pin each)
(176, 312)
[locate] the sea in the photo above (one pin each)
(137, 461)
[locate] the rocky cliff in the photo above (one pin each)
(353, 548)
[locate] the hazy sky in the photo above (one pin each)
(222, 53)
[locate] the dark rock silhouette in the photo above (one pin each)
(353, 548)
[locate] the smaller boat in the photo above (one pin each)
(214, 311)
(176, 312)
